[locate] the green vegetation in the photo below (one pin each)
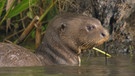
(19, 17)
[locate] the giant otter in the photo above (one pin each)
(65, 38)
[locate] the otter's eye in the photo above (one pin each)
(90, 27)
(63, 26)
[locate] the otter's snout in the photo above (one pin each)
(104, 34)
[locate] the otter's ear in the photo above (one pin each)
(62, 27)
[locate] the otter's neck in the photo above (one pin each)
(52, 51)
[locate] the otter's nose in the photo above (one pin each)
(103, 34)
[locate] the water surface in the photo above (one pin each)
(94, 66)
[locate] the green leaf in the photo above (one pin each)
(2, 4)
(23, 5)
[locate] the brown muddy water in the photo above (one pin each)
(122, 65)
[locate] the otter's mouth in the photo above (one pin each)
(85, 48)
(102, 41)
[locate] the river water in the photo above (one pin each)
(122, 65)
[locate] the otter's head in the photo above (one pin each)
(77, 32)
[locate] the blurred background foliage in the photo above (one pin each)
(20, 20)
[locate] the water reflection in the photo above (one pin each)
(94, 66)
